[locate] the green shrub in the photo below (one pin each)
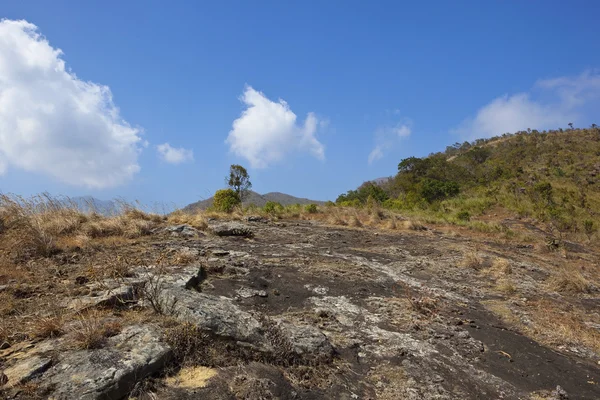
(273, 207)
(463, 216)
(226, 200)
(432, 189)
(311, 208)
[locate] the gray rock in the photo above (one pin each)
(216, 314)
(559, 394)
(182, 230)
(232, 229)
(27, 369)
(111, 296)
(110, 372)
(306, 340)
(257, 218)
(246, 292)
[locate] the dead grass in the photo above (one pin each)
(196, 220)
(41, 225)
(48, 327)
(569, 280)
(92, 330)
(506, 286)
(185, 257)
(472, 260)
(192, 377)
(413, 225)
(501, 267)
(550, 323)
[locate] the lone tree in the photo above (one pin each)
(239, 180)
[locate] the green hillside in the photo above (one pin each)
(553, 176)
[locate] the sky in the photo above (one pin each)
(153, 100)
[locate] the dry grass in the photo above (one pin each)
(472, 260)
(48, 327)
(92, 330)
(506, 286)
(569, 280)
(39, 226)
(551, 323)
(500, 268)
(196, 220)
(192, 377)
(185, 257)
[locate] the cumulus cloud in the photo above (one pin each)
(53, 123)
(174, 155)
(267, 131)
(387, 137)
(551, 104)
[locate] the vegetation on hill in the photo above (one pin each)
(553, 176)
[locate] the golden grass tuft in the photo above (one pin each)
(195, 220)
(472, 260)
(569, 280)
(506, 285)
(413, 225)
(48, 327)
(192, 377)
(91, 331)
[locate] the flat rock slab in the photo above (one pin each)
(27, 369)
(216, 314)
(110, 372)
(232, 229)
(307, 340)
(115, 294)
(183, 230)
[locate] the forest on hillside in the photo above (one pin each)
(553, 176)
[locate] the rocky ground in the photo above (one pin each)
(300, 310)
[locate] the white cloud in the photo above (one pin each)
(376, 154)
(55, 124)
(553, 103)
(386, 138)
(174, 155)
(267, 131)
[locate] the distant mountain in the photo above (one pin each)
(382, 181)
(258, 200)
(92, 204)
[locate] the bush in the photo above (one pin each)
(226, 200)
(463, 216)
(432, 189)
(311, 208)
(273, 207)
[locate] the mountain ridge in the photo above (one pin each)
(258, 200)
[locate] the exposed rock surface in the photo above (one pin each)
(304, 311)
(110, 372)
(231, 229)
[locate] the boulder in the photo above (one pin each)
(110, 372)
(232, 229)
(27, 369)
(218, 315)
(307, 341)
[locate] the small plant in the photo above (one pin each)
(463, 216)
(472, 260)
(92, 331)
(589, 228)
(187, 341)
(570, 281)
(311, 208)
(153, 292)
(48, 327)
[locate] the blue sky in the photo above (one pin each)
(369, 83)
